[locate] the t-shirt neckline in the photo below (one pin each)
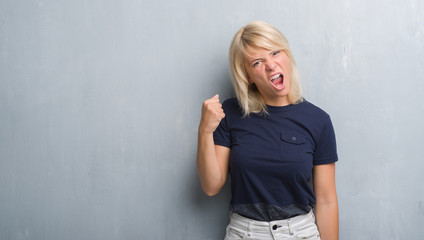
(283, 108)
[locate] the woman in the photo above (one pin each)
(279, 149)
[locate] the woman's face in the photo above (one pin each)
(270, 71)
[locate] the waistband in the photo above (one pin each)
(286, 225)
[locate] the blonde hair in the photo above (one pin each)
(255, 35)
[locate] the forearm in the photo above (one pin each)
(211, 177)
(327, 215)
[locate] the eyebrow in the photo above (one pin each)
(262, 57)
(254, 60)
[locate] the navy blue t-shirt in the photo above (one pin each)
(272, 156)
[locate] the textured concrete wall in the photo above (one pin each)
(100, 101)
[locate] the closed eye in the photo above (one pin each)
(276, 53)
(256, 63)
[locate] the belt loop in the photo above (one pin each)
(250, 228)
(289, 227)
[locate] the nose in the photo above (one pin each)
(270, 66)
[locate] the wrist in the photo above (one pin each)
(203, 131)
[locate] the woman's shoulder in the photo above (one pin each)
(315, 117)
(231, 103)
(313, 110)
(232, 108)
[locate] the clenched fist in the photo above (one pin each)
(212, 114)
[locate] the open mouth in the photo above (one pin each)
(277, 80)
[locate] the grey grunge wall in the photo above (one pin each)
(100, 101)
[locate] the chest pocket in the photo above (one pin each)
(292, 146)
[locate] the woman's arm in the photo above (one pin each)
(326, 209)
(212, 160)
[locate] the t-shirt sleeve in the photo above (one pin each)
(326, 149)
(222, 136)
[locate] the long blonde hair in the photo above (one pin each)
(254, 35)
